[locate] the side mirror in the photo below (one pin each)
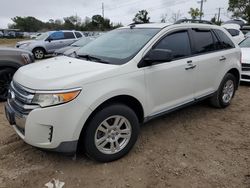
(158, 56)
(49, 39)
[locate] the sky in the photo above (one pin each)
(116, 10)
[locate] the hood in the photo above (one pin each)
(10, 51)
(25, 41)
(61, 73)
(71, 50)
(62, 50)
(245, 55)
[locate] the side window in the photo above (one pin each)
(78, 35)
(57, 35)
(177, 42)
(203, 41)
(233, 32)
(225, 41)
(69, 35)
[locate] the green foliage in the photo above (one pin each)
(194, 13)
(215, 21)
(141, 17)
(31, 24)
(240, 9)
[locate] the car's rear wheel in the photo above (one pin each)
(111, 133)
(6, 76)
(223, 97)
(39, 53)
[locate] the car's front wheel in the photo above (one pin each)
(111, 133)
(39, 53)
(223, 97)
(6, 76)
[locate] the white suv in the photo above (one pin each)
(97, 100)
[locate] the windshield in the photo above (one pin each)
(82, 42)
(245, 43)
(43, 36)
(118, 46)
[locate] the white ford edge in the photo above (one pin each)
(96, 100)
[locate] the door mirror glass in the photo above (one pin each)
(158, 56)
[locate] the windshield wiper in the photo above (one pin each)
(91, 58)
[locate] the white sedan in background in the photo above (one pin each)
(245, 48)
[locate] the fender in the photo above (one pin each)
(11, 64)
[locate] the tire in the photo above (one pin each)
(223, 97)
(39, 53)
(6, 76)
(103, 129)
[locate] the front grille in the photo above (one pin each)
(245, 67)
(20, 99)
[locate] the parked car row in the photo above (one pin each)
(96, 100)
(48, 42)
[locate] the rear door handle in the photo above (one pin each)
(190, 66)
(223, 58)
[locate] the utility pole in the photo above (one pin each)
(103, 10)
(219, 14)
(201, 9)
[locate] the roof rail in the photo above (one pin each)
(193, 21)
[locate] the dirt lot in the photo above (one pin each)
(9, 42)
(198, 146)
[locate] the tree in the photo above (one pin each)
(175, 16)
(141, 17)
(215, 21)
(194, 13)
(29, 24)
(164, 18)
(240, 9)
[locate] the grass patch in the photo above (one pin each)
(9, 42)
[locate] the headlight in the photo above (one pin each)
(51, 99)
(26, 58)
(25, 44)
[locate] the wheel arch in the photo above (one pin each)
(128, 100)
(9, 64)
(236, 73)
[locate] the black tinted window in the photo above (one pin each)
(225, 41)
(69, 35)
(177, 42)
(78, 35)
(233, 32)
(203, 41)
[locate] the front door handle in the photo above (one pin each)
(223, 58)
(190, 66)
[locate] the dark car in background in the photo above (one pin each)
(10, 60)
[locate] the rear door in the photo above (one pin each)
(208, 60)
(69, 38)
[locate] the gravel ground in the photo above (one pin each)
(198, 146)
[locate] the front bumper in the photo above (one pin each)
(54, 128)
(245, 74)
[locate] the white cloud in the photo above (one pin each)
(116, 10)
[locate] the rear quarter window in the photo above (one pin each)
(69, 35)
(225, 41)
(78, 35)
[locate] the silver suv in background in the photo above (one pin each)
(48, 42)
